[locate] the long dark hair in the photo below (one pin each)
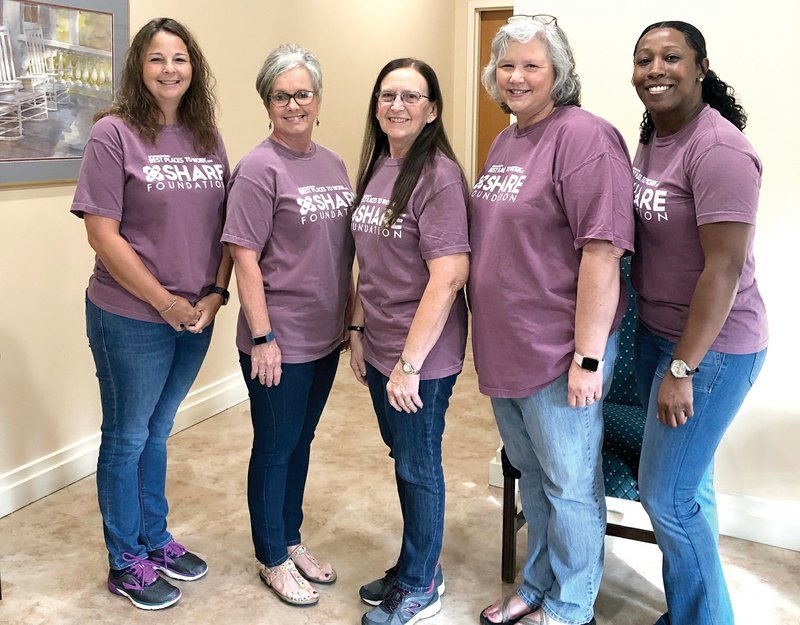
(716, 93)
(137, 106)
(431, 140)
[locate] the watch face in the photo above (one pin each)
(679, 368)
(406, 367)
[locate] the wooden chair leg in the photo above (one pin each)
(509, 552)
(631, 533)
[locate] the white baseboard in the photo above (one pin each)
(34, 480)
(766, 521)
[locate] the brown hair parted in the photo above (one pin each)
(431, 140)
(135, 105)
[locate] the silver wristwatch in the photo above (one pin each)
(680, 369)
(408, 367)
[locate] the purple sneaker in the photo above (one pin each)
(142, 585)
(177, 562)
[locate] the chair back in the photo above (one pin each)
(38, 60)
(7, 72)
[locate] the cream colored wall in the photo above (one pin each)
(751, 48)
(48, 394)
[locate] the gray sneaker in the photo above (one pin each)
(142, 585)
(376, 591)
(404, 607)
(177, 562)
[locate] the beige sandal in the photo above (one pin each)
(301, 550)
(306, 598)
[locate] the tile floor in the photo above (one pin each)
(53, 565)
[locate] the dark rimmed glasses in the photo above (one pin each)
(408, 97)
(544, 19)
(301, 98)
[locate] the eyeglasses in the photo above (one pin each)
(408, 97)
(544, 19)
(302, 97)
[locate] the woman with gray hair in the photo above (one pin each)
(550, 218)
(288, 230)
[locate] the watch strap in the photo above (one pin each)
(408, 367)
(585, 362)
(260, 340)
(224, 293)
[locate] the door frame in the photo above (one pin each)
(473, 10)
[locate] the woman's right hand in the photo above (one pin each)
(181, 314)
(265, 363)
(357, 363)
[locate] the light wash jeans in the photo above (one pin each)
(674, 463)
(558, 451)
(145, 370)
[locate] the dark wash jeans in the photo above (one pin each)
(285, 418)
(145, 370)
(415, 443)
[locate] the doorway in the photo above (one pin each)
(489, 120)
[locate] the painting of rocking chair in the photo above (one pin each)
(59, 64)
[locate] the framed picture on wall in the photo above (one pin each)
(59, 64)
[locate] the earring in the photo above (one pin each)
(701, 78)
(317, 121)
(270, 124)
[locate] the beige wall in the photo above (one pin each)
(48, 394)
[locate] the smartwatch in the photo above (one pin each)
(260, 340)
(590, 364)
(222, 292)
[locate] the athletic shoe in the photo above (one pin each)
(404, 607)
(175, 561)
(142, 585)
(376, 591)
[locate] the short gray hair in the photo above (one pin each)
(567, 86)
(282, 59)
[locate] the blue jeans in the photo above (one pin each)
(674, 464)
(285, 418)
(145, 370)
(558, 451)
(415, 443)
(647, 358)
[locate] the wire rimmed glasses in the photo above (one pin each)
(543, 18)
(408, 97)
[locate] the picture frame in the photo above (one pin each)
(60, 62)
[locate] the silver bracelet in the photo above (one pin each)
(168, 308)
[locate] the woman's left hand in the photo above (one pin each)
(584, 387)
(402, 390)
(208, 307)
(675, 401)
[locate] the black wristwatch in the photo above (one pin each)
(222, 292)
(260, 340)
(585, 362)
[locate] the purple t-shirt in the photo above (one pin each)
(170, 202)
(545, 191)
(393, 272)
(705, 173)
(291, 208)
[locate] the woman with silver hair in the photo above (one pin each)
(287, 228)
(550, 218)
